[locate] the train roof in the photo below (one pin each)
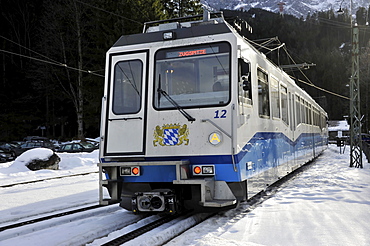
(185, 27)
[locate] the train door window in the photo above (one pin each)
(192, 76)
(275, 98)
(284, 104)
(263, 94)
(127, 87)
(245, 86)
(298, 110)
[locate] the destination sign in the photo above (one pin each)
(194, 52)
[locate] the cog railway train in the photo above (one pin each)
(194, 117)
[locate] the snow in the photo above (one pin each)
(325, 205)
(48, 195)
(16, 171)
(297, 8)
(341, 125)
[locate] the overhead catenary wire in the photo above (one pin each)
(300, 70)
(52, 63)
(337, 24)
(310, 83)
(26, 48)
(92, 6)
(263, 44)
(319, 88)
(56, 63)
(282, 45)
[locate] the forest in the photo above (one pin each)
(53, 55)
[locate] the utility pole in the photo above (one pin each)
(355, 114)
(354, 87)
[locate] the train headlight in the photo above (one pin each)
(208, 170)
(125, 171)
(168, 35)
(215, 138)
(203, 170)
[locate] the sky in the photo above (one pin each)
(328, 204)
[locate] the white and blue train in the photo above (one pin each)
(194, 117)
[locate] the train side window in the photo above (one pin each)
(284, 104)
(292, 112)
(127, 87)
(315, 117)
(298, 110)
(303, 111)
(275, 98)
(263, 94)
(245, 87)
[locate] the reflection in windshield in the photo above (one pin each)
(174, 103)
(197, 76)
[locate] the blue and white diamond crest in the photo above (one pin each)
(171, 135)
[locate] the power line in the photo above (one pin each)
(92, 6)
(319, 88)
(338, 24)
(24, 47)
(334, 23)
(310, 83)
(53, 63)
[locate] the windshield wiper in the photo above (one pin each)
(174, 103)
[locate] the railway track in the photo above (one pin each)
(156, 232)
(45, 179)
(75, 227)
(40, 219)
(140, 231)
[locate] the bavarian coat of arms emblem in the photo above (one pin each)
(171, 134)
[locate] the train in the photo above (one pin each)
(194, 117)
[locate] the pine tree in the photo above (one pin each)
(181, 8)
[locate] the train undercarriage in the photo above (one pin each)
(199, 194)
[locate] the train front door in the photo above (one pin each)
(125, 120)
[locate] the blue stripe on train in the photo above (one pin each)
(262, 152)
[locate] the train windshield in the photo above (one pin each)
(193, 76)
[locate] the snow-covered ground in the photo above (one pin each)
(326, 205)
(34, 199)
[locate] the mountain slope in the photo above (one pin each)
(297, 8)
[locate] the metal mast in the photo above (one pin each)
(355, 114)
